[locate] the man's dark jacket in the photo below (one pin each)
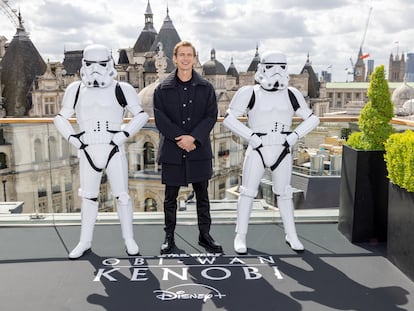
(173, 118)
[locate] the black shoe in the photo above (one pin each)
(168, 246)
(206, 241)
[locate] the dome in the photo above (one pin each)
(147, 98)
(402, 94)
(213, 66)
(408, 107)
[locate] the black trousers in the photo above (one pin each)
(203, 207)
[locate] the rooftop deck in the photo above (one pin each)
(332, 273)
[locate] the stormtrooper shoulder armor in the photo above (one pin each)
(238, 107)
(240, 101)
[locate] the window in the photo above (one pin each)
(50, 104)
(150, 205)
(149, 158)
(65, 148)
(38, 154)
(3, 160)
(53, 148)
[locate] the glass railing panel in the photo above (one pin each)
(39, 170)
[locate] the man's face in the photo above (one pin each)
(184, 60)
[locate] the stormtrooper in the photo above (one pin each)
(270, 107)
(99, 103)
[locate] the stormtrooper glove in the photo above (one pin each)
(119, 138)
(76, 142)
(292, 138)
(255, 141)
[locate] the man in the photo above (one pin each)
(270, 106)
(185, 111)
(99, 103)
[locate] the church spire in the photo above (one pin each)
(148, 16)
(148, 34)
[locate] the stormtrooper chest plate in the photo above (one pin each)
(99, 114)
(271, 112)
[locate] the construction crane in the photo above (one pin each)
(14, 17)
(354, 71)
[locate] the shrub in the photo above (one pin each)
(399, 158)
(374, 119)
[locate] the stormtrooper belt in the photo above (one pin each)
(114, 150)
(282, 155)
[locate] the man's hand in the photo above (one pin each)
(186, 142)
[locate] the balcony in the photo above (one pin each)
(39, 224)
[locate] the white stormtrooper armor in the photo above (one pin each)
(270, 137)
(101, 140)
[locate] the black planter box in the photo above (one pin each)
(400, 244)
(363, 197)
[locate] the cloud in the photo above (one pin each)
(330, 31)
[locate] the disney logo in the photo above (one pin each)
(178, 292)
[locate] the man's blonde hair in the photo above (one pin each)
(183, 43)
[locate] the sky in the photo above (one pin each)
(330, 31)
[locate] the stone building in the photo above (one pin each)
(35, 157)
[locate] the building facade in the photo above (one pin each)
(35, 157)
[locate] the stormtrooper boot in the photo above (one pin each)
(89, 212)
(125, 215)
(286, 212)
(240, 246)
(244, 208)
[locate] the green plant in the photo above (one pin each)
(399, 158)
(374, 119)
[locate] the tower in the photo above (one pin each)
(359, 70)
(396, 68)
(19, 67)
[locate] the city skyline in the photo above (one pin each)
(330, 32)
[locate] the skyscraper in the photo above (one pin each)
(409, 69)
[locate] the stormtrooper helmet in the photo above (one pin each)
(97, 66)
(272, 72)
